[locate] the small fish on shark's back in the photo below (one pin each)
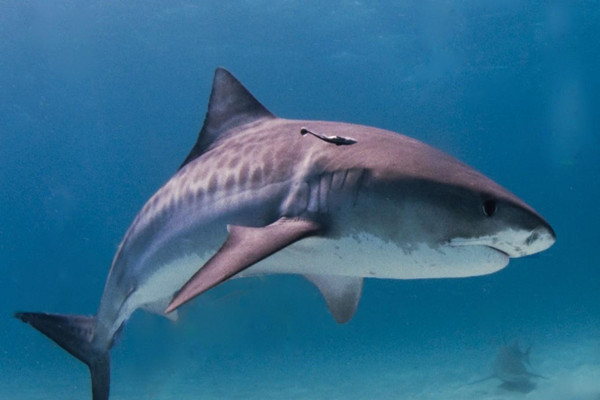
(258, 194)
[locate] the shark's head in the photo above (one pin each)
(504, 223)
(480, 213)
(452, 230)
(426, 201)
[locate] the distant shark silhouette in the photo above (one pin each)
(332, 201)
(509, 367)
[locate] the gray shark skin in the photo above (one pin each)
(335, 202)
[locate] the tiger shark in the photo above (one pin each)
(335, 202)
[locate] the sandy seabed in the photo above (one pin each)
(571, 370)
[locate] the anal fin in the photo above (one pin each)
(341, 293)
(244, 247)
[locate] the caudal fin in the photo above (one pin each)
(74, 333)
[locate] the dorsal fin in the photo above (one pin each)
(230, 105)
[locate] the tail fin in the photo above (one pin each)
(74, 333)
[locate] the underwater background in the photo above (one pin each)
(100, 102)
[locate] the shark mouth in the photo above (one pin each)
(480, 242)
(505, 254)
(511, 242)
(502, 252)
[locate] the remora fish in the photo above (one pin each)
(333, 201)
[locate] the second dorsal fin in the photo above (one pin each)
(230, 105)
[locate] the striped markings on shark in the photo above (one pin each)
(332, 201)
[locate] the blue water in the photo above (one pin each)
(100, 102)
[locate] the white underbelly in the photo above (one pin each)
(368, 256)
(362, 255)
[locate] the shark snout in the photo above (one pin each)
(539, 239)
(517, 243)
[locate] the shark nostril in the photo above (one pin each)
(532, 238)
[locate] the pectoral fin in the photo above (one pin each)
(341, 293)
(244, 247)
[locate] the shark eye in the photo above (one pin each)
(489, 208)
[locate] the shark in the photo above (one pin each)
(335, 202)
(510, 367)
